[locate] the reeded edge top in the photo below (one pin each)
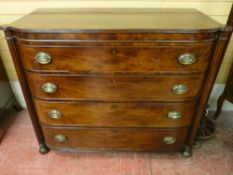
(8, 27)
(60, 29)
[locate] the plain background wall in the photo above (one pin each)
(11, 10)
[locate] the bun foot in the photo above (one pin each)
(187, 152)
(43, 149)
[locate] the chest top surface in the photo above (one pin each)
(116, 19)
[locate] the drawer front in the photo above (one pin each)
(74, 87)
(115, 138)
(117, 59)
(115, 114)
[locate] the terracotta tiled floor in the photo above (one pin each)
(19, 156)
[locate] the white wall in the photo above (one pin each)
(216, 92)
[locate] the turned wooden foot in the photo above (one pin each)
(43, 149)
(187, 151)
(219, 106)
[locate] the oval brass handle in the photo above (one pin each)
(174, 114)
(60, 138)
(187, 58)
(54, 114)
(43, 58)
(169, 140)
(179, 89)
(49, 87)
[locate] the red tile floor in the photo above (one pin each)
(19, 156)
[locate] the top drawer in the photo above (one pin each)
(161, 58)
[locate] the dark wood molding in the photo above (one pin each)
(25, 89)
(218, 55)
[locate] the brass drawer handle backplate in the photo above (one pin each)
(54, 114)
(49, 87)
(174, 114)
(43, 58)
(169, 140)
(60, 138)
(179, 89)
(187, 59)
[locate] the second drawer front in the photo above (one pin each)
(115, 138)
(115, 114)
(75, 87)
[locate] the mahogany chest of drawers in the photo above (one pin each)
(117, 79)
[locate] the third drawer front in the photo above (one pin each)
(82, 87)
(115, 114)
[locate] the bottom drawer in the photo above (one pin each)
(115, 138)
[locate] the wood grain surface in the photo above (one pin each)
(117, 19)
(124, 59)
(115, 138)
(115, 114)
(115, 88)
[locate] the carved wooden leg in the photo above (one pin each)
(187, 151)
(43, 148)
(219, 106)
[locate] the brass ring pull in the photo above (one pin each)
(187, 58)
(179, 89)
(60, 138)
(174, 114)
(43, 58)
(49, 87)
(169, 140)
(54, 114)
